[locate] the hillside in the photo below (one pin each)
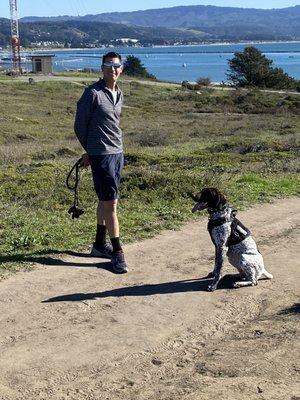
(221, 22)
(166, 26)
(83, 33)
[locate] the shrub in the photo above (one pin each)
(202, 81)
(190, 86)
(134, 67)
(251, 68)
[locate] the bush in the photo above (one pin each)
(134, 67)
(190, 86)
(202, 81)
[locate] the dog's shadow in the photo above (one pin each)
(189, 285)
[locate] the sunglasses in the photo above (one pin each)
(111, 65)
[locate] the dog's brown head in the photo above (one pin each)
(208, 198)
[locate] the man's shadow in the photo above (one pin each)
(188, 285)
(100, 263)
(49, 259)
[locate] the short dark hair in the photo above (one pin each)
(111, 54)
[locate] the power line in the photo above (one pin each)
(71, 9)
(71, 6)
(80, 7)
(86, 11)
(54, 10)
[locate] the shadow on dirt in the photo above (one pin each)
(51, 260)
(189, 285)
(294, 309)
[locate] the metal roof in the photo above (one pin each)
(41, 55)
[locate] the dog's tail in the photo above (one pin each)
(267, 274)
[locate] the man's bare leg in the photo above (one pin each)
(100, 214)
(107, 215)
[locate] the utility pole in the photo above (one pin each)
(15, 39)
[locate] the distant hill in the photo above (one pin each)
(221, 22)
(75, 33)
(182, 25)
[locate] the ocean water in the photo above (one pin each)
(178, 63)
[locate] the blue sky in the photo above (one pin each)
(82, 7)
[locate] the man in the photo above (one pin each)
(97, 128)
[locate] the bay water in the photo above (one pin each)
(179, 63)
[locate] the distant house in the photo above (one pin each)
(42, 63)
(127, 40)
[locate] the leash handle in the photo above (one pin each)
(75, 210)
(75, 167)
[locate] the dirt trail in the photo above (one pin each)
(72, 330)
(74, 79)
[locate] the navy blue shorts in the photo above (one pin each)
(106, 170)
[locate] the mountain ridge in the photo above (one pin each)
(220, 22)
(173, 25)
(64, 17)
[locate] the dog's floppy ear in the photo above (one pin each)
(221, 198)
(216, 198)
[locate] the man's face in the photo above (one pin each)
(111, 69)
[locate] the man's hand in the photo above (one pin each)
(85, 162)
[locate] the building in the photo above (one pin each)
(127, 40)
(42, 63)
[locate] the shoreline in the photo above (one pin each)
(59, 49)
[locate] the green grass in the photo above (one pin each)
(176, 141)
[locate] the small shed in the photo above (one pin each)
(42, 63)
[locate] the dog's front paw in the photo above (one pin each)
(211, 288)
(235, 285)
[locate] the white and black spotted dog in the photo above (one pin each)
(230, 238)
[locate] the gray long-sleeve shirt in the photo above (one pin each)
(97, 121)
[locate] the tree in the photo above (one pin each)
(134, 67)
(278, 79)
(252, 68)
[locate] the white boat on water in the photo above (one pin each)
(9, 59)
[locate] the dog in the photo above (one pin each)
(230, 238)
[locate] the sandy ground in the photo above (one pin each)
(71, 329)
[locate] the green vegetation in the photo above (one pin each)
(251, 68)
(134, 67)
(177, 141)
(203, 81)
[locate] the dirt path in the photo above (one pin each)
(41, 78)
(72, 330)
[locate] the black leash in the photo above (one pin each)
(75, 210)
